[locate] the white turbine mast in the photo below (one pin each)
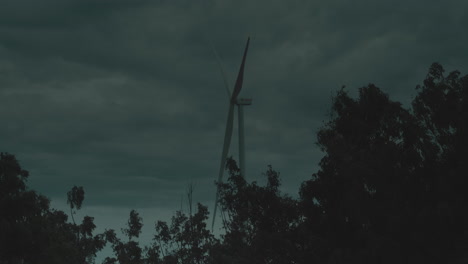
(240, 103)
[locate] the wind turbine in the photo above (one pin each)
(240, 103)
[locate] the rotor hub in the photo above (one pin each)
(244, 101)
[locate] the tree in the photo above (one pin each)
(86, 244)
(75, 198)
(128, 252)
(442, 108)
(370, 150)
(31, 232)
(380, 194)
(260, 223)
(187, 239)
(26, 220)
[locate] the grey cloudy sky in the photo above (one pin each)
(125, 97)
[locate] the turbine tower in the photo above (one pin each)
(240, 102)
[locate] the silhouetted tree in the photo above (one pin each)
(31, 232)
(382, 192)
(27, 225)
(89, 244)
(259, 222)
(442, 108)
(187, 239)
(75, 199)
(86, 244)
(128, 252)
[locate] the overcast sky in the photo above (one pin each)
(125, 97)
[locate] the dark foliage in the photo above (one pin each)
(390, 188)
(259, 222)
(31, 232)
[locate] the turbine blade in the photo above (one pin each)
(227, 142)
(223, 73)
(240, 76)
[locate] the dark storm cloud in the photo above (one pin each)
(126, 99)
(134, 38)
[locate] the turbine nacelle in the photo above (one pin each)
(243, 101)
